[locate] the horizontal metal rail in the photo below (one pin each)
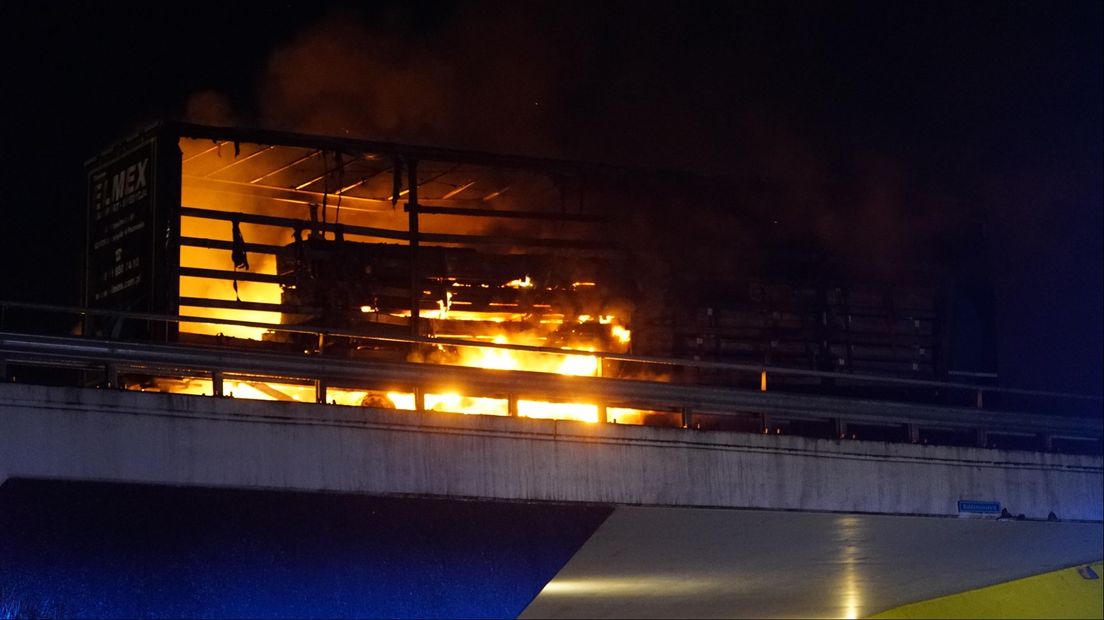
(601, 355)
(244, 276)
(648, 395)
(585, 218)
(387, 233)
(410, 151)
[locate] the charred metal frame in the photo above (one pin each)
(396, 158)
(371, 161)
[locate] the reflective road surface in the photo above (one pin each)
(673, 562)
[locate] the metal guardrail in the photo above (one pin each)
(691, 401)
(322, 332)
(119, 357)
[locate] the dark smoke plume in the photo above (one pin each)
(503, 77)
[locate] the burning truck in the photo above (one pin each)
(254, 238)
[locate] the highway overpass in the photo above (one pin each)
(699, 523)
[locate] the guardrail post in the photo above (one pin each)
(913, 432)
(216, 383)
(980, 400)
(840, 427)
(419, 399)
(111, 372)
(512, 405)
(3, 370)
(320, 391)
(603, 416)
(982, 438)
(687, 416)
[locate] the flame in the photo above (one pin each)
(465, 315)
(443, 306)
(208, 288)
(558, 411)
(505, 359)
(451, 402)
(446, 402)
(500, 323)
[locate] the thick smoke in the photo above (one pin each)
(209, 107)
(473, 82)
(503, 78)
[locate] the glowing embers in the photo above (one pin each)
(448, 402)
(519, 283)
(452, 402)
(445, 401)
(577, 338)
(465, 315)
(617, 331)
(496, 358)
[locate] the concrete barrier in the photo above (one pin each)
(111, 435)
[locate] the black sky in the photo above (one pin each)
(922, 112)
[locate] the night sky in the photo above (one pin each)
(881, 117)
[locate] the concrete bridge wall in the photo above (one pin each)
(109, 435)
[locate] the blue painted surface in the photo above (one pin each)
(99, 550)
(979, 507)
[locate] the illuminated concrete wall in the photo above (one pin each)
(106, 435)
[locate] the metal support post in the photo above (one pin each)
(913, 431)
(216, 383)
(841, 428)
(412, 228)
(319, 391)
(512, 405)
(111, 372)
(687, 416)
(603, 415)
(1047, 441)
(419, 399)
